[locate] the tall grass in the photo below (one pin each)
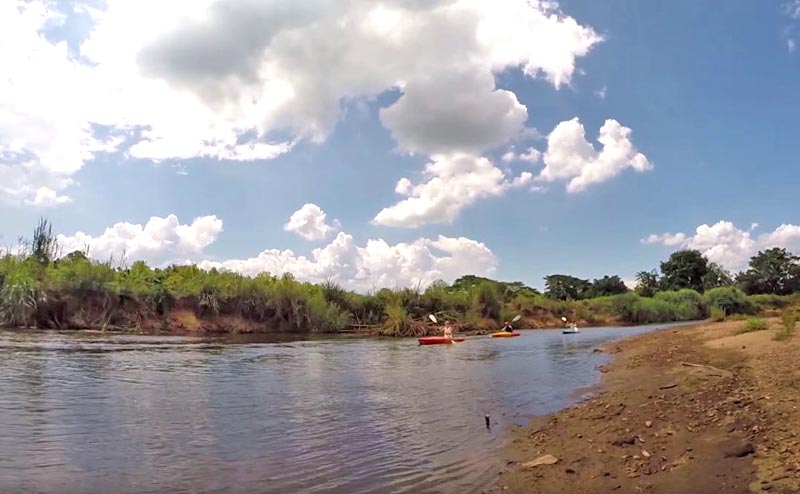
(788, 326)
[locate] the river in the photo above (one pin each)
(95, 413)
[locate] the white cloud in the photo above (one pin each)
(310, 223)
(728, 245)
(792, 9)
(569, 156)
(455, 112)
(791, 45)
(533, 155)
(214, 78)
(670, 239)
(48, 197)
(601, 93)
(159, 241)
(453, 182)
(374, 265)
(508, 156)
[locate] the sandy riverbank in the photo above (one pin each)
(689, 410)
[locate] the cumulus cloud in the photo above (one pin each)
(453, 182)
(726, 244)
(159, 241)
(569, 156)
(48, 197)
(216, 78)
(310, 222)
(377, 264)
(670, 239)
(456, 112)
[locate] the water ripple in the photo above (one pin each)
(95, 412)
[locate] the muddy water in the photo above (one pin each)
(89, 413)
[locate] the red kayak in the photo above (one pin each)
(439, 340)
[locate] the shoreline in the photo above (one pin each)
(237, 332)
(687, 410)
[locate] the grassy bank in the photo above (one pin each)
(41, 288)
(75, 292)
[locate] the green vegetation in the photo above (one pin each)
(788, 326)
(754, 324)
(40, 287)
(729, 300)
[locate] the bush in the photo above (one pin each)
(766, 301)
(687, 304)
(788, 323)
(730, 300)
(717, 314)
(754, 324)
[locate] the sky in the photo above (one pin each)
(393, 143)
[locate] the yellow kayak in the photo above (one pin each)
(503, 334)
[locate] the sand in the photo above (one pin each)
(691, 410)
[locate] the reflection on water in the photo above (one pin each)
(86, 413)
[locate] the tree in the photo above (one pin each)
(564, 287)
(684, 269)
(607, 285)
(716, 276)
(774, 271)
(646, 283)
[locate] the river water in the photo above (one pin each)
(92, 413)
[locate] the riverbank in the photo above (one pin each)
(691, 410)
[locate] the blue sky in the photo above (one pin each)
(708, 91)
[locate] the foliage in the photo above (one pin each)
(564, 287)
(647, 283)
(39, 287)
(486, 301)
(717, 314)
(730, 300)
(44, 247)
(716, 276)
(788, 326)
(684, 269)
(774, 271)
(607, 285)
(754, 324)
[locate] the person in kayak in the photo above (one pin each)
(507, 327)
(448, 330)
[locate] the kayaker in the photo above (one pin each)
(507, 327)
(448, 330)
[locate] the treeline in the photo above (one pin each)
(41, 288)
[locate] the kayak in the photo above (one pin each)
(567, 331)
(438, 340)
(503, 334)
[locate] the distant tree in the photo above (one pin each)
(684, 269)
(774, 271)
(716, 276)
(564, 287)
(607, 285)
(647, 283)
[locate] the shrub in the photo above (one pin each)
(487, 302)
(754, 324)
(730, 300)
(717, 314)
(788, 323)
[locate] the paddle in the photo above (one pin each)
(436, 321)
